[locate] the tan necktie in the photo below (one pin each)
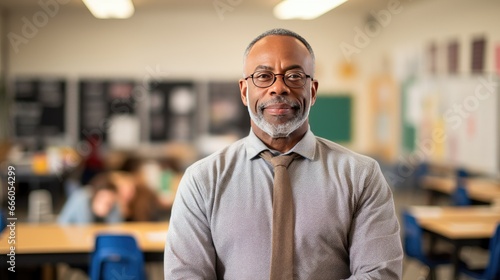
(283, 217)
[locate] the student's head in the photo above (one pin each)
(125, 184)
(104, 195)
(278, 87)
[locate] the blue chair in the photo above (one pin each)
(492, 270)
(421, 171)
(462, 173)
(3, 221)
(116, 257)
(460, 196)
(414, 247)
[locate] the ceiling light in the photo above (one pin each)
(304, 9)
(110, 8)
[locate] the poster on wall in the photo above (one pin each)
(39, 109)
(105, 105)
(478, 55)
(172, 111)
(453, 57)
(432, 58)
(497, 59)
(384, 102)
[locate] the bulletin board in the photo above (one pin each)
(101, 101)
(39, 108)
(172, 108)
(331, 117)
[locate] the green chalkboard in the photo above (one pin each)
(331, 117)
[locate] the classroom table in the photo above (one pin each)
(484, 190)
(51, 243)
(461, 226)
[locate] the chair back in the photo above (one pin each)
(492, 271)
(460, 196)
(3, 221)
(462, 173)
(413, 235)
(40, 206)
(5, 147)
(421, 171)
(116, 256)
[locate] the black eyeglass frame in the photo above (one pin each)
(283, 77)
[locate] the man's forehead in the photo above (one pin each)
(278, 46)
(270, 68)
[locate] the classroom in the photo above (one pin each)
(104, 111)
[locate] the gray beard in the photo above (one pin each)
(280, 130)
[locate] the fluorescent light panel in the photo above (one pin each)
(110, 8)
(304, 9)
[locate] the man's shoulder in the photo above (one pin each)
(332, 149)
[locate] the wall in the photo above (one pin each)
(180, 43)
(407, 37)
(440, 21)
(186, 43)
(197, 44)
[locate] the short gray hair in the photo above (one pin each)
(280, 32)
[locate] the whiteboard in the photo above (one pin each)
(465, 111)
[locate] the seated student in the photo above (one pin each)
(94, 203)
(138, 203)
(145, 206)
(143, 202)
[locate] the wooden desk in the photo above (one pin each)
(52, 243)
(479, 189)
(461, 226)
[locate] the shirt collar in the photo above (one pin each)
(306, 147)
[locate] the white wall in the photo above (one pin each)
(194, 44)
(186, 43)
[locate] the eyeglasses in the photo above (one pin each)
(292, 79)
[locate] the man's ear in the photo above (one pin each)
(314, 91)
(243, 91)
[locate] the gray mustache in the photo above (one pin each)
(278, 100)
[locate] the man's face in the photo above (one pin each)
(278, 110)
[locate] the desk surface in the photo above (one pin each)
(481, 189)
(54, 238)
(473, 222)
